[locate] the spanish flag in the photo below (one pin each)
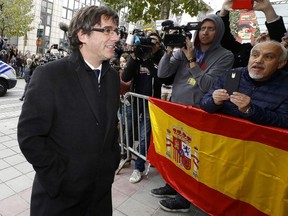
(223, 165)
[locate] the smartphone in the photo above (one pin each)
(232, 81)
(242, 4)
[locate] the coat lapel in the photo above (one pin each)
(87, 81)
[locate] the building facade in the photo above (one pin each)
(48, 15)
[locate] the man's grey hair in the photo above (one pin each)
(284, 54)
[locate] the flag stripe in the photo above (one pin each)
(217, 125)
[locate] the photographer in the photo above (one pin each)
(274, 24)
(141, 69)
(196, 69)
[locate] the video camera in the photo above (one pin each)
(140, 39)
(142, 44)
(175, 36)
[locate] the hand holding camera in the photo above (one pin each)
(188, 49)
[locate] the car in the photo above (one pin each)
(7, 78)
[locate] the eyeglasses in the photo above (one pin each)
(107, 30)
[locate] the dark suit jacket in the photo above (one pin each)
(68, 131)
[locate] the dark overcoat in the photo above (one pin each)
(68, 131)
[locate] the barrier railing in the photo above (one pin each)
(134, 128)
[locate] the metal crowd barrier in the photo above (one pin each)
(133, 117)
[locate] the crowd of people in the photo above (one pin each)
(69, 132)
(11, 55)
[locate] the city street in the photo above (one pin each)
(16, 174)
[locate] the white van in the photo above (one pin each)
(7, 78)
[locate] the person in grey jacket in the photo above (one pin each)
(196, 68)
(262, 95)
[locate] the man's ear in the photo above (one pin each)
(282, 64)
(81, 36)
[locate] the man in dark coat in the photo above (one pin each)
(68, 126)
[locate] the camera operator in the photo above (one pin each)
(196, 69)
(141, 69)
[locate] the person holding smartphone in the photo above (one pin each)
(262, 95)
(274, 24)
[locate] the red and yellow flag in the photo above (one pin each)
(223, 165)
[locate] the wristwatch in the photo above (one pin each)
(248, 110)
(192, 60)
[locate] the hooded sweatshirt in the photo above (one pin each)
(190, 84)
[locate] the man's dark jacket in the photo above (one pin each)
(269, 99)
(68, 131)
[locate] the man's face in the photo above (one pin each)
(123, 62)
(207, 32)
(100, 45)
(264, 61)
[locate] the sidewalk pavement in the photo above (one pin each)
(16, 177)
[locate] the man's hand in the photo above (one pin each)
(169, 50)
(262, 5)
(266, 7)
(226, 7)
(242, 101)
(219, 96)
(188, 50)
(284, 41)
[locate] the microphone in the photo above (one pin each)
(63, 26)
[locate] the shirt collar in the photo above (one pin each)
(93, 68)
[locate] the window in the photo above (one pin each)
(46, 7)
(47, 31)
(71, 6)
